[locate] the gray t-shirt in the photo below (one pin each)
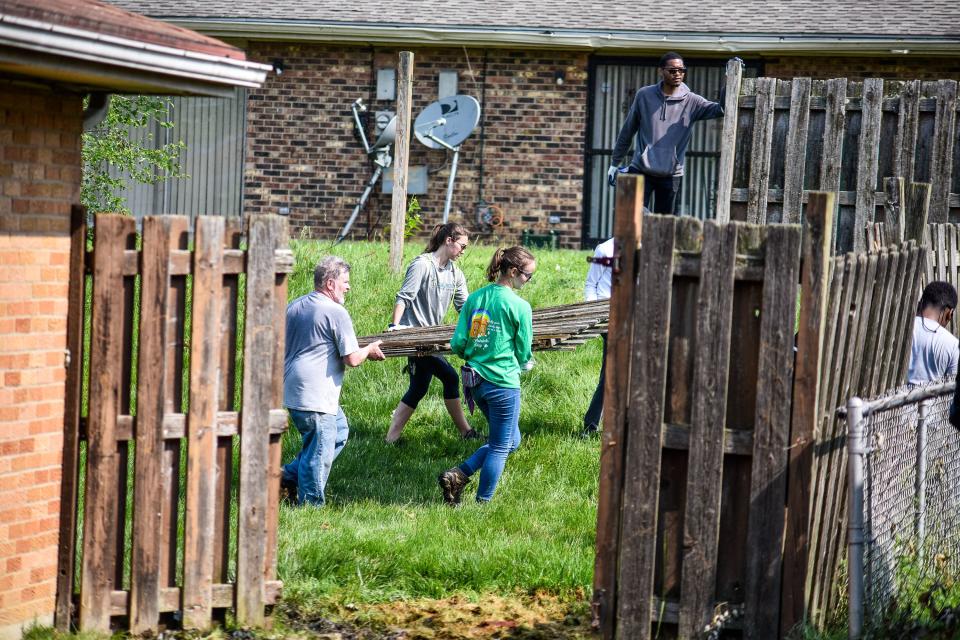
(319, 335)
(427, 290)
(933, 354)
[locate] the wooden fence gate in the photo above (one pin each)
(719, 464)
(185, 382)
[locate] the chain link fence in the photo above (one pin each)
(904, 561)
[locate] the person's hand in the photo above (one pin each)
(737, 59)
(374, 352)
(612, 173)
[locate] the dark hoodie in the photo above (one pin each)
(662, 126)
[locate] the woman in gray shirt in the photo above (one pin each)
(432, 282)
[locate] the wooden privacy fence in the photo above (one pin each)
(784, 138)
(722, 467)
(871, 303)
(164, 396)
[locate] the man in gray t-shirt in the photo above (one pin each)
(320, 345)
(934, 351)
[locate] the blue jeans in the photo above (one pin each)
(501, 406)
(324, 436)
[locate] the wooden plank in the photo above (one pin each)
(728, 139)
(911, 295)
(201, 433)
(275, 455)
(222, 597)
(735, 441)
(228, 371)
(893, 215)
(905, 145)
(158, 234)
(868, 160)
(760, 151)
(805, 407)
(944, 139)
(708, 415)
(897, 314)
(917, 212)
(648, 376)
(70, 465)
(771, 432)
(401, 155)
(259, 347)
(100, 501)
(628, 223)
(888, 314)
(834, 128)
(873, 350)
(793, 171)
(835, 323)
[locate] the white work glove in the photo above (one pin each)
(612, 173)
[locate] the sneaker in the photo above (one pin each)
(289, 492)
(472, 434)
(452, 481)
(590, 431)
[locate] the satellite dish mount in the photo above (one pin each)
(445, 124)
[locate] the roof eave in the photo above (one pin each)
(597, 41)
(46, 51)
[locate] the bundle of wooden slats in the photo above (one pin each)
(560, 328)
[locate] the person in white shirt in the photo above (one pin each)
(598, 288)
(934, 352)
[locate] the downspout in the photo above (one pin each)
(97, 108)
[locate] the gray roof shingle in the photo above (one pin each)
(933, 19)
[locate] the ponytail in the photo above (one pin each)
(504, 259)
(440, 234)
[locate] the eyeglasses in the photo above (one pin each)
(527, 276)
(462, 245)
(674, 69)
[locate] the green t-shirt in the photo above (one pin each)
(494, 334)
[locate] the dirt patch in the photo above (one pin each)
(524, 617)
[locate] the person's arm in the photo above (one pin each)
(594, 275)
(458, 342)
(412, 281)
(627, 132)
(706, 110)
(523, 340)
(461, 294)
(371, 351)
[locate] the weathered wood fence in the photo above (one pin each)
(784, 138)
(164, 396)
(720, 461)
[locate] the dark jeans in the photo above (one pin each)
(591, 420)
(662, 191)
(424, 369)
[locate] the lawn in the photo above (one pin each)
(385, 534)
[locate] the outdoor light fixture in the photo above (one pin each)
(559, 76)
(278, 66)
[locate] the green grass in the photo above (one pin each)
(385, 533)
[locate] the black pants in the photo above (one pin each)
(422, 370)
(660, 191)
(592, 418)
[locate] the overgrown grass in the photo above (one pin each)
(385, 533)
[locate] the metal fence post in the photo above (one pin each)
(855, 452)
(921, 481)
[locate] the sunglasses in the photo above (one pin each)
(674, 69)
(527, 276)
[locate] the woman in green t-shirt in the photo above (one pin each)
(494, 335)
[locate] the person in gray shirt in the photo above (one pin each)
(661, 117)
(320, 345)
(933, 351)
(432, 282)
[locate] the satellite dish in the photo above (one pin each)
(388, 136)
(450, 119)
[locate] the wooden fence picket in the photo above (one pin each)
(944, 139)
(146, 599)
(868, 159)
(796, 150)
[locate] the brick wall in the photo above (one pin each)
(39, 179)
(527, 158)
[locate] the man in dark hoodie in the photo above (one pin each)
(661, 118)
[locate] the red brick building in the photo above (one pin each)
(53, 53)
(554, 78)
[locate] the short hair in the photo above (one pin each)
(938, 295)
(668, 56)
(330, 268)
